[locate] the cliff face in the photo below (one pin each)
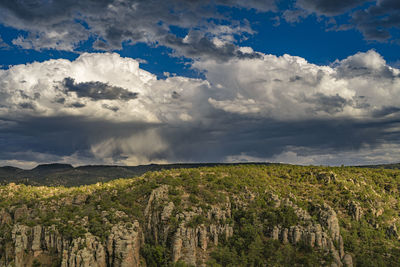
(123, 244)
(190, 241)
(175, 224)
(47, 245)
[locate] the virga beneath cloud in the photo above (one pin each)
(106, 109)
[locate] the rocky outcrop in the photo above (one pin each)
(347, 260)
(20, 235)
(157, 213)
(323, 235)
(326, 177)
(328, 218)
(123, 245)
(190, 237)
(189, 232)
(84, 252)
(355, 210)
(121, 249)
(190, 242)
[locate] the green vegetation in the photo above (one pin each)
(95, 208)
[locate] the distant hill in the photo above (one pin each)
(57, 174)
(382, 166)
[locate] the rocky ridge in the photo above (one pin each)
(191, 240)
(186, 219)
(323, 235)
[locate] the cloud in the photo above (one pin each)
(106, 109)
(66, 24)
(374, 19)
(3, 45)
(98, 90)
(302, 155)
(289, 87)
(216, 46)
(295, 16)
(377, 21)
(328, 104)
(204, 30)
(329, 7)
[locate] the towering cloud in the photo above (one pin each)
(106, 109)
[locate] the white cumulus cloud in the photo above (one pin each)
(104, 108)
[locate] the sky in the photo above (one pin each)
(131, 82)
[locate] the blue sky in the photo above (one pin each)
(161, 72)
(309, 38)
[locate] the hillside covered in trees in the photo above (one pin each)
(243, 215)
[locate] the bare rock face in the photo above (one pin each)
(37, 232)
(156, 216)
(167, 212)
(121, 249)
(348, 261)
(328, 219)
(20, 235)
(190, 238)
(52, 240)
(355, 210)
(123, 245)
(189, 232)
(190, 242)
(186, 241)
(317, 235)
(31, 242)
(84, 252)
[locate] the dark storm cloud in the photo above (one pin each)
(328, 104)
(196, 45)
(98, 90)
(64, 24)
(243, 108)
(112, 108)
(25, 96)
(77, 105)
(43, 135)
(227, 135)
(329, 7)
(374, 19)
(376, 22)
(264, 138)
(386, 111)
(27, 105)
(60, 100)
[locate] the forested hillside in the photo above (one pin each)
(244, 215)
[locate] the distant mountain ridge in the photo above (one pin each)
(59, 174)
(56, 174)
